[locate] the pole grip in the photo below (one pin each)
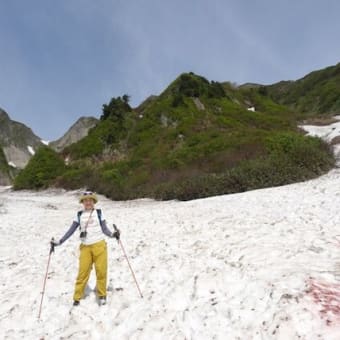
(116, 230)
(52, 245)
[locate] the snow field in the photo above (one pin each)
(235, 267)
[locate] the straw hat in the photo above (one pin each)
(88, 194)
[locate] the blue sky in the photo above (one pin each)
(60, 60)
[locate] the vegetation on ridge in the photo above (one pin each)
(196, 139)
(318, 93)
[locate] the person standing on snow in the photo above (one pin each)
(93, 249)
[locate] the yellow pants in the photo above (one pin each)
(91, 254)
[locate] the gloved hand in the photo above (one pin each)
(54, 243)
(116, 233)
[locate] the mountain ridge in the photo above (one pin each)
(317, 93)
(196, 138)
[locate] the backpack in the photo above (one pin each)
(99, 214)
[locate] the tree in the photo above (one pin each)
(116, 109)
(263, 91)
(126, 98)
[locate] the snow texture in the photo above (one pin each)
(258, 265)
(326, 132)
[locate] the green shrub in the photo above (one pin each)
(41, 171)
(192, 85)
(288, 162)
(116, 109)
(75, 177)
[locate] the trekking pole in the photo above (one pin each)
(48, 264)
(133, 274)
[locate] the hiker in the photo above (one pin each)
(93, 248)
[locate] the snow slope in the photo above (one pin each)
(258, 265)
(326, 132)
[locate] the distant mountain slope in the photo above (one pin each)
(17, 140)
(316, 93)
(76, 132)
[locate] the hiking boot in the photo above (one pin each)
(76, 303)
(102, 300)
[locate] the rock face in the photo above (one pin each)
(77, 131)
(4, 179)
(18, 142)
(5, 176)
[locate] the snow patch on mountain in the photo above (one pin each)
(30, 150)
(12, 164)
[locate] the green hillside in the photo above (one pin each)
(196, 139)
(318, 93)
(41, 170)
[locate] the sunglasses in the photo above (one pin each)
(87, 193)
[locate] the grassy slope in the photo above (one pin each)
(315, 94)
(169, 140)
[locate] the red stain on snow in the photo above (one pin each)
(327, 295)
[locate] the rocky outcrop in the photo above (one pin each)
(200, 106)
(77, 131)
(18, 142)
(5, 177)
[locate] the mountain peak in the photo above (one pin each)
(3, 115)
(77, 131)
(17, 144)
(192, 85)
